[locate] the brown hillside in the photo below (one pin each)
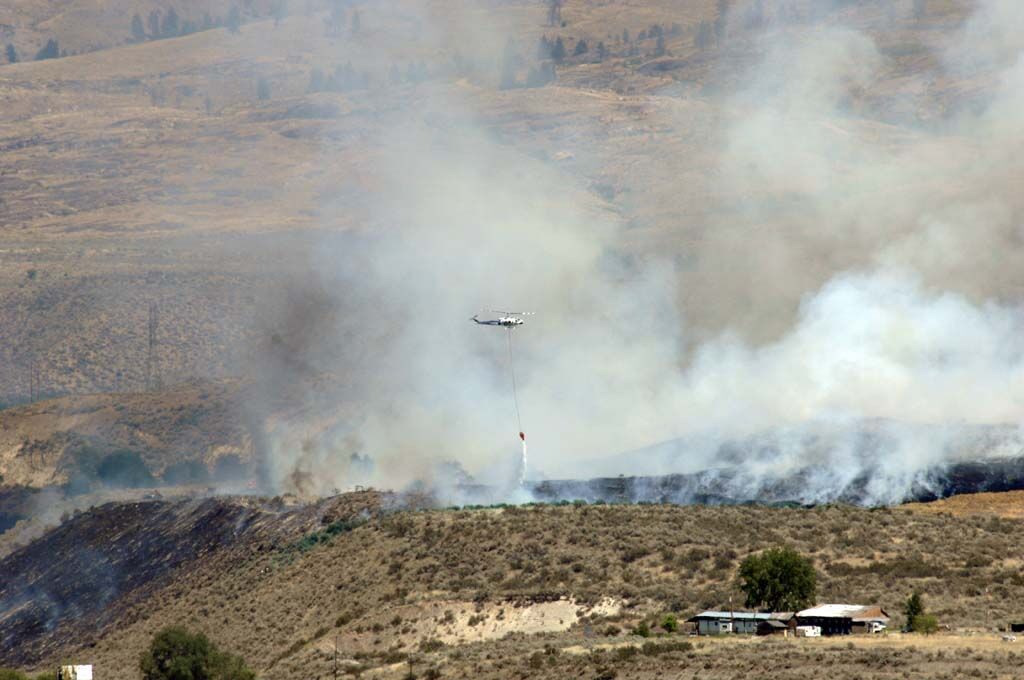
(475, 581)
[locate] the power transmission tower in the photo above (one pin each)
(152, 367)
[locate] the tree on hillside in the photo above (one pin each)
(721, 19)
(138, 29)
(263, 89)
(555, 12)
(916, 618)
(234, 22)
(51, 50)
(659, 48)
(581, 48)
(357, 23)
(704, 37)
(544, 48)
(558, 51)
(279, 10)
(509, 64)
(12, 54)
(170, 27)
(177, 654)
(602, 51)
(153, 22)
(779, 579)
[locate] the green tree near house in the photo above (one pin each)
(178, 654)
(779, 579)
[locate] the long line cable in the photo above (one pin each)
(512, 370)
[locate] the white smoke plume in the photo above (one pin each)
(868, 271)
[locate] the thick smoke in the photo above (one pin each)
(861, 273)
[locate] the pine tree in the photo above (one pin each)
(509, 61)
(49, 51)
(659, 48)
(558, 51)
(554, 12)
(153, 23)
(720, 20)
(625, 35)
(234, 22)
(544, 48)
(207, 21)
(263, 89)
(12, 54)
(169, 27)
(138, 29)
(602, 51)
(581, 48)
(280, 11)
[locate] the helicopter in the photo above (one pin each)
(506, 319)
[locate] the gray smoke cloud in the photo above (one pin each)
(854, 267)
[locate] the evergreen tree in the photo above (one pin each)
(509, 61)
(555, 12)
(49, 51)
(12, 54)
(625, 35)
(169, 27)
(558, 51)
(316, 80)
(138, 29)
(704, 36)
(262, 89)
(581, 48)
(602, 51)
(544, 48)
(721, 19)
(234, 22)
(207, 21)
(153, 23)
(357, 22)
(659, 48)
(280, 11)
(913, 608)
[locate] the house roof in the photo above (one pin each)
(857, 612)
(773, 623)
(743, 616)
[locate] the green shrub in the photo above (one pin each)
(11, 674)
(643, 629)
(925, 623)
(670, 623)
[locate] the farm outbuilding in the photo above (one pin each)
(844, 619)
(718, 622)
